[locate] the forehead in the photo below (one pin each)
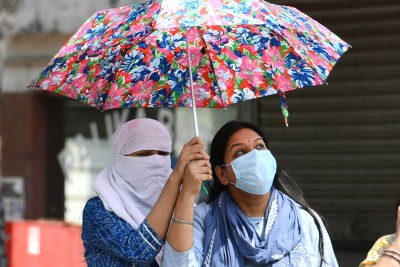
(244, 135)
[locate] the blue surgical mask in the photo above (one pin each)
(254, 171)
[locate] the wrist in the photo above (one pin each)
(187, 196)
(179, 170)
(175, 180)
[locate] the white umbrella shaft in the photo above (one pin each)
(196, 128)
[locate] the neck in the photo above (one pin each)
(250, 205)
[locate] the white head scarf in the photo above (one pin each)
(130, 186)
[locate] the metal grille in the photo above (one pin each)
(343, 143)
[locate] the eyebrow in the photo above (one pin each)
(240, 144)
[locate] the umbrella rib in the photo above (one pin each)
(300, 54)
(211, 66)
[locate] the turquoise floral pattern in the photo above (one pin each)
(137, 56)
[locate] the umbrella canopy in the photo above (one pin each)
(137, 56)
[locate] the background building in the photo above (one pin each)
(342, 146)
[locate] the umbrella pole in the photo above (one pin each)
(196, 128)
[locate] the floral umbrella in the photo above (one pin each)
(187, 53)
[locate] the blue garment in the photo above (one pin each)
(230, 237)
(305, 254)
(112, 242)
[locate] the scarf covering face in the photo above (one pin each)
(130, 186)
(230, 237)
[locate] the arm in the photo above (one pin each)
(388, 261)
(180, 236)
(160, 216)
(194, 256)
(104, 231)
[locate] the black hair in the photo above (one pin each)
(282, 181)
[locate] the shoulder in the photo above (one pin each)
(383, 242)
(309, 225)
(377, 249)
(95, 210)
(307, 218)
(94, 201)
(93, 204)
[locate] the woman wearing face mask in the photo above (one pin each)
(255, 216)
(126, 224)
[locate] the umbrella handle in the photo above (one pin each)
(196, 127)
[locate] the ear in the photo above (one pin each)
(221, 174)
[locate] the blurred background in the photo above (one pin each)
(342, 146)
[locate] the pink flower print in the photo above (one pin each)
(201, 94)
(80, 81)
(115, 97)
(230, 54)
(186, 99)
(45, 84)
(252, 50)
(223, 73)
(67, 49)
(70, 90)
(251, 71)
(195, 56)
(141, 92)
(152, 38)
(273, 58)
(284, 82)
(225, 78)
(82, 65)
(134, 28)
(57, 78)
(98, 90)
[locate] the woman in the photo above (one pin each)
(126, 224)
(253, 217)
(386, 250)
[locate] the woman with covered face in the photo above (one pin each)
(255, 215)
(127, 222)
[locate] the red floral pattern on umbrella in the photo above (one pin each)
(137, 56)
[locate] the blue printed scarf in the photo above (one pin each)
(230, 238)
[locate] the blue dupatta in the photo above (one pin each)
(230, 238)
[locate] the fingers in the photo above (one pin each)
(195, 140)
(193, 146)
(196, 172)
(199, 170)
(193, 152)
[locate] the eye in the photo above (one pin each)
(144, 154)
(239, 153)
(261, 147)
(162, 153)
